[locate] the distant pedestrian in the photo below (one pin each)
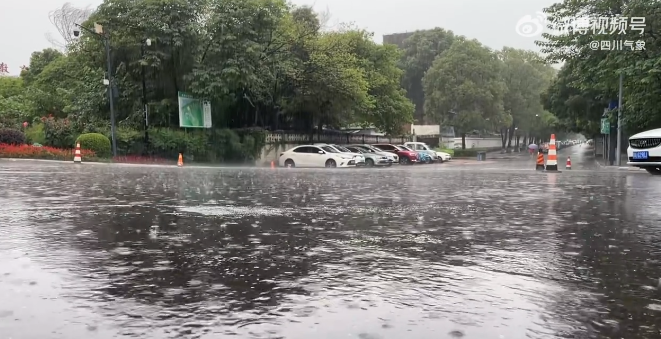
(532, 148)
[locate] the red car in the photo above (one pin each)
(406, 157)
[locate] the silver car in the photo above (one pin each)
(371, 159)
(374, 150)
(359, 158)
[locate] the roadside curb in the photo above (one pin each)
(617, 168)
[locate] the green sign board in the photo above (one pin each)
(605, 126)
(194, 113)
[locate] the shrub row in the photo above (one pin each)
(42, 152)
(472, 152)
(209, 145)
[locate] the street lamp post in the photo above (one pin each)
(144, 90)
(619, 123)
(98, 31)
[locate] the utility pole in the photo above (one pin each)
(105, 36)
(110, 97)
(144, 90)
(618, 150)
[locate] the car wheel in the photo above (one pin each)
(289, 163)
(653, 170)
(369, 162)
(331, 163)
(404, 161)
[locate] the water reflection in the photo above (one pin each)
(265, 254)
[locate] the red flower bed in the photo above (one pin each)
(138, 159)
(41, 152)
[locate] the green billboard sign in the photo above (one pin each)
(193, 112)
(605, 126)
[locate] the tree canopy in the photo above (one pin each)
(261, 63)
(589, 80)
(461, 83)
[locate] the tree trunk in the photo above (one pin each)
(463, 140)
(511, 132)
(503, 137)
(518, 146)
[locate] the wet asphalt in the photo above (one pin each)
(462, 249)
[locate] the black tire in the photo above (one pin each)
(369, 163)
(427, 161)
(653, 170)
(440, 160)
(289, 163)
(330, 163)
(404, 161)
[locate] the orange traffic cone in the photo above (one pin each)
(552, 160)
(77, 157)
(568, 164)
(272, 164)
(540, 162)
(180, 162)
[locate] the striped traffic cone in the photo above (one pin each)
(77, 156)
(552, 159)
(568, 164)
(540, 162)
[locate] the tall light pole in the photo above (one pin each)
(98, 31)
(146, 42)
(618, 149)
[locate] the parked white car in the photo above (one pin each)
(359, 158)
(422, 147)
(314, 156)
(390, 156)
(644, 151)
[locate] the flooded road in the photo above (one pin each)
(425, 252)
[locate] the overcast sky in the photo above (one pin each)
(24, 23)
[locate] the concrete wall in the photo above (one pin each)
(455, 143)
(424, 129)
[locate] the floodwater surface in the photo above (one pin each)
(425, 252)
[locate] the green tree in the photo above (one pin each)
(592, 75)
(464, 88)
(13, 105)
(526, 77)
(38, 62)
(420, 51)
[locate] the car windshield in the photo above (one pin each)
(371, 148)
(343, 149)
(356, 150)
(329, 149)
(404, 148)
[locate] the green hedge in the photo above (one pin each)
(199, 145)
(11, 136)
(472, 152)
(96, 142)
